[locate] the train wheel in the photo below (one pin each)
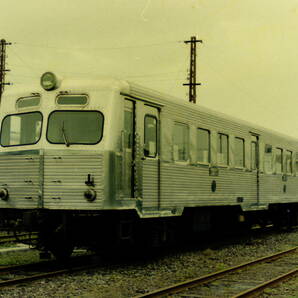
(62, 252)
(61, 248)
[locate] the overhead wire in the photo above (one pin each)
(146, 77)
(23, 61)
(27, 44)
(162, 80)
(182, 65)
(236, 86)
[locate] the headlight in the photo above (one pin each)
(49, 81)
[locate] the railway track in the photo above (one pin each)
(245, 280)
(18, 274)
(20, 237)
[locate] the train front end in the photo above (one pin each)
(57, 166)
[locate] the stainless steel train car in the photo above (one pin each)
(101, 162)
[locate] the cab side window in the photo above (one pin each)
(128, 128)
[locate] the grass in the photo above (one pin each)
(17, 258)
(7, 245)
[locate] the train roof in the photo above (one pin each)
(161, 98)
(138, 91)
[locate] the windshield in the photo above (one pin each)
(75, 127)
(21, 129)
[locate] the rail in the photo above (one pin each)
(17, 238)
(18, 274)
(189, 284)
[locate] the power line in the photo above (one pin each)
(97, 48)
(180, 70)
(153, 74)
(163, 80)
(25, 64)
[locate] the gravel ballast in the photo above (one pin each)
(137, 276)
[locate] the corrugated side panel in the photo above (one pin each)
(150, 183)
(191, 186)
(64, 181)
(20, 175)
(272, 189)
(292, 189)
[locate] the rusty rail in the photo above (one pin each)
(25, 269)
(12, 238)
(179, 287)
(260, 288)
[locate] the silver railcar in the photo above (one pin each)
(91, 162)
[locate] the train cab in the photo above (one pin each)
(58, 144)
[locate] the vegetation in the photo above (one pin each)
(17, 258)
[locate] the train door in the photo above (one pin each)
(255, 163)
(128, 149)
(149, 137)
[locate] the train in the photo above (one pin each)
(103, 162)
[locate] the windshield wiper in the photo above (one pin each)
(64, 135)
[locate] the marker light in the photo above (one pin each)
(49, 81)
(4, 194)
(90, 195)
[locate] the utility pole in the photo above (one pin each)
(3, 70)
(192, 69)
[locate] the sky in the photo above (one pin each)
(247, 64)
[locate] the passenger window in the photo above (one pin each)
(254, 153)
(181, 142)
(203, 145)
(223, 149)
(150, 146)
(239, 153)
(268, 159)
(278, 160)
(289, 168)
